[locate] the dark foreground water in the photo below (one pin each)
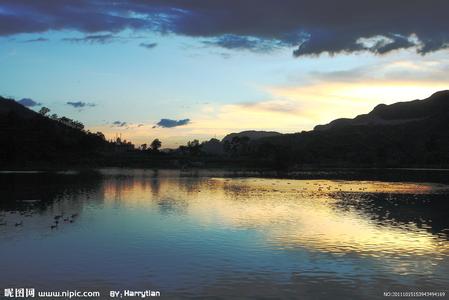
(205, 236)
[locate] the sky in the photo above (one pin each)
(179, 70)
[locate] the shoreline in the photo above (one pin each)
(436, 175)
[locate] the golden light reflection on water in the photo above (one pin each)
(290, 213)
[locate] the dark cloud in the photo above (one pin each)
(148, 45)
(94, 38)
(395, 42)
(168, 123)
(80, 104)
(36, 40)
(29, 102)
(119, 124)
(311, 26)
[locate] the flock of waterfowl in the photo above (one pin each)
(324, 187)
(321, 187)
(66, 219)
(57, 219)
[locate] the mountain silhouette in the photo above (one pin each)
(251, 134)
(27, 136)
(398, 113)
(9, 106)
(404, 134)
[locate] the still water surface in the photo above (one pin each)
(203, 236)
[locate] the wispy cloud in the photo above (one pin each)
(399, 71)
(36, 40)
(148, 45)
(276, 106)
(80, 104)
(94, 38)
(236, 42)
(119, 124)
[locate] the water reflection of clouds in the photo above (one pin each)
(307, 220)
(335, 217)
(294, 217)
(291, 213)
(286, 234)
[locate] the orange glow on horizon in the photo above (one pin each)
(289, 109)
(290, 213)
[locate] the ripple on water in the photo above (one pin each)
(233, 236)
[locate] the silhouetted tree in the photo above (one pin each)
(155, 145)
(100, 135)
(227, 147)
(194, 147)
(44, 111)
(184, 150)
(143, 147)
(77, 125)
(239, 145)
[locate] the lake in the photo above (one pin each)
(211, 235)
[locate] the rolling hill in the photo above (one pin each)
(403, 134)
(27, 136)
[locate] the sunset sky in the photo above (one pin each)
(180, 70)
